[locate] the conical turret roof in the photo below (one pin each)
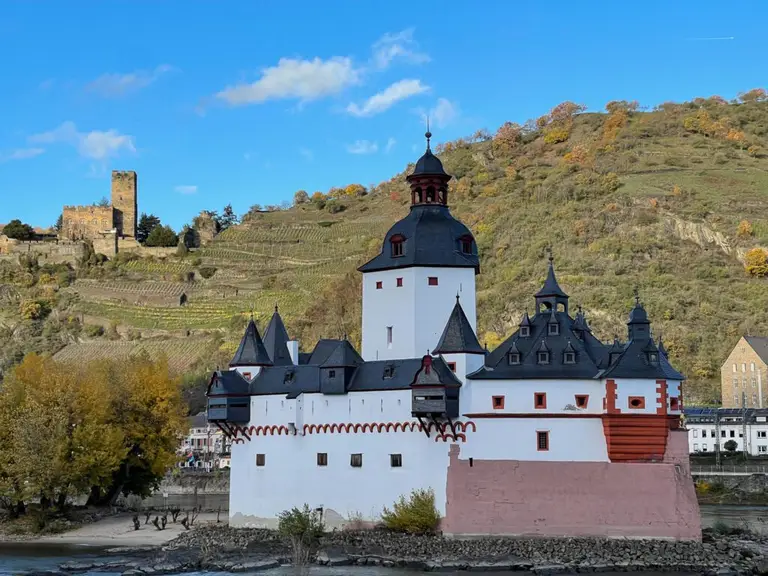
(551, 287)
(251, 351)
(458, 336)
(276, 341)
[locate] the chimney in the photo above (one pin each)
(293, 351)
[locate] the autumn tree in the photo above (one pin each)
(744, 229)
(754, 95)
(301, 197)
(507, 137)
(621, 106)
(756, 262)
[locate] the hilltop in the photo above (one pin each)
(670, 201)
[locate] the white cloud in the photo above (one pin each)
(307, 153)
(47, 84)
(390, 144)
(304, 80)
(444, 112)
(112, 85)
(400, 45)
(96, 145)
(363, 147)
(21, 154)
(388, 97)
(186, 189)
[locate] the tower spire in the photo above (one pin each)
(428, 134)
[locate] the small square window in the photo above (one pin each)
(498, 402)
(569, 358)
(322, 459)
(636, 402)
(542, 441)
(674, 404)
(396, 460)
(379, 285)
(397, 246)
(466, 245)
(452, 366)
(553, 329)
(525, 331)
(356, 460)
(331, 373)
(582, 400)
(514, 358)
(432, 281)
(543, 357)
(260, 459)
(399, 282)
(247, 375)
(540, 400)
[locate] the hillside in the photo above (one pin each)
(668, 200)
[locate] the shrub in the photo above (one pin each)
(304, 527)
(555, 135)
(196, 261)
(744, 229)
(94, 330)
(756, 262)
(207, 271)
(731, 445)
(416, 515)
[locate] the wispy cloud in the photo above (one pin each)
(95, 145)
(399, 45)
(441, 114)
(307, 154)
(387, 98)
(363, 147)
(21, 154)
(186, 189)
(303, 80)
(47, 84)
(390, 144)
(714, 38)
(118, 84)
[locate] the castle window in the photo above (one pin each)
(396, 460)
(432, 281)
(761, 434)
(553, 329)
(498, 402)
(356, 460)
(752, 366)
(399, 282)
(322, 459)
(636, 402)
(379, 285)
(430, 194)
(653, 357)
(466, 244)
(542, 441)
(389, 336)
(514, 358)
(525, 331)
(288, 378)
(582, 400)
(331, 373)
(452, 366)
(540, 400)
(247, 375)
(674, 404)
(542, 357)
(260, 459)
(398, 245)
(388, 371)
(417, 193)
(734, 367)
(569, 358)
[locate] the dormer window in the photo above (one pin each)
(288, 378)
(653, 357)
(614, 357)
(542, 357)
(398, 245)
(514, 358)
(388, 372)
(569, 358)
(331, 373)
(553, 329)
(525, 331)
(466, 244)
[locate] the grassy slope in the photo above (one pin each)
(606, 241)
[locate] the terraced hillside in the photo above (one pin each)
(670, 201)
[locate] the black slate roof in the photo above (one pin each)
(760, 345)
(458, 335)
(276, 341)
(428, 164)
(634, 362)
(551, 287)
(432, 238)
(343, 356)
(251, 351)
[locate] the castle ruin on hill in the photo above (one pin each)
(118, 220)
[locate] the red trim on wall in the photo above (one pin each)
(637, 437)
(674, 403)
(636, 402)
(661, 398)
(477, 415)
(611, 397)
(497, 402)
(399, 283)
(585, 399)
(538, 444)
(432, 281)
(540, 396)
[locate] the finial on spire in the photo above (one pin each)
(457, 297)
(636, 292)
(345, 336)
(275, 306)
(578, 307)
(549, 255)
(428, 134)
(251, 313)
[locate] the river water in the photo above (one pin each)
(18, 558)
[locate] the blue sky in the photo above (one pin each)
(247, 102)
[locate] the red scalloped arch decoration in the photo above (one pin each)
(442, 431)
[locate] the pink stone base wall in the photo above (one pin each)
(627, 500)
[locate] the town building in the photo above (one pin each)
(553, 433)
(744, 374)
(717, 429)
(205, 445)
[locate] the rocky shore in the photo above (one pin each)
(219, 548)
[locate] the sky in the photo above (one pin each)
(246, 102)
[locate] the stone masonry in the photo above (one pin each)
(743, 378)
(125, 202)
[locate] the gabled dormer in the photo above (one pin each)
(570, 355)
(525, 326)
(543, 353)
(337, 370)
(553, 326)
(228, 398)
(514, 356)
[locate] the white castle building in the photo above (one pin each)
(551, 433)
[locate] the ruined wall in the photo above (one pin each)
(633, 500)
(106, 244)
(85, 222)
(47, 252)
(125, 201)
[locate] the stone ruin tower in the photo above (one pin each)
(125, 202)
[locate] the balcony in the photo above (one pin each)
(235, 410)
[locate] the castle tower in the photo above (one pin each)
(409, 289)
(125, 202)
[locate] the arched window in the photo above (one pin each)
(418, 195)
(442, 195)
(466, 244)
(431, 194)
(398, 245)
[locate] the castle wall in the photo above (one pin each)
(125, 202)
(85, 222)
(633, 500)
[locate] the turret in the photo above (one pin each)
(251, 355)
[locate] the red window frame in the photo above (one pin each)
(497, 402)
(379, 285)
(399, 282)
(540, 400)
(582, 400)
(674, 403)
(542, 440)
(466, 244)
(636, 402)
(432, 280)
(398, 248)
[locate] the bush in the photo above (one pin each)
(162, 236)
(18, 230)
(196, 261)
(304, 527)
(94, 330)
(207, 271)
(417, 515)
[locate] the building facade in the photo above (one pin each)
(97, 222)
(717, 429)
(552, 433)
(744, 374)
(205, 445)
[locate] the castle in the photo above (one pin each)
(98, 222)
(553, 433)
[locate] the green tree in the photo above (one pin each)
(147, 223)
(227, 219)
(103, 203)
(18, 230)
(731, 446)
(59, 223)
(162, 236)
